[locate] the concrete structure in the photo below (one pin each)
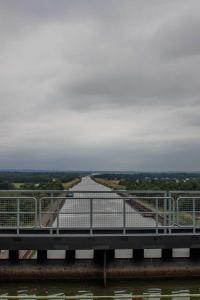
(99, 220)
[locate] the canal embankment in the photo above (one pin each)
(113, 184)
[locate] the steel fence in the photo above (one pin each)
(103, 210)
(90, 213)
(16, 212)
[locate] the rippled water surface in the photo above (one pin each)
(96, 288)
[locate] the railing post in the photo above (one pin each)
(165, 212)
(51, 209)
(194, 215)
(175, 208)
(170, 210)
(36, 213)
(40, 212)
(58, 218)
(18, 215)
(124, 216)
(156, 215)
(177, 211)
(91, 216)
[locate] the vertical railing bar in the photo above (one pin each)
(156, 215)
(194, 214)
(36, 214)
(173, 200)
(18, 215)
(171, 211)
(124, 216)
(40, 212)
(51, 209)
(91, 216)
(58, 219)
(177, 209)
(165, 212)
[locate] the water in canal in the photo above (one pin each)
(96, 287)
(74, 212)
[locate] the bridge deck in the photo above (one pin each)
(44, 240)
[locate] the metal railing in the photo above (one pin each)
(93, 211)
(103, 213)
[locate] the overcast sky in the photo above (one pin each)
(100, 84)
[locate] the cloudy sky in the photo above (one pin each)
(100, 84)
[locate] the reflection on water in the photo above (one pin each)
(118, 288)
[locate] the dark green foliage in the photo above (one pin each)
(37, 177)
(31, 181)
(156, 181)
(51, 185)
(4, 185)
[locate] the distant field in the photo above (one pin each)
(70, 184)
(17, 185)
(114, 184)
(66, 185)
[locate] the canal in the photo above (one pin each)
(72, 216)
(85, 288)
(118, 287)
(72, 212)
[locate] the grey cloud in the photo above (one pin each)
(191, 119)
(181, 37)
(180, 157)
(91, 84)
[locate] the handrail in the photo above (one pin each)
(104, 191)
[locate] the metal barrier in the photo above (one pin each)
(105, 213)
(188, 212)
(122, 211)
(18, 212)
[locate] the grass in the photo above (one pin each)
(114, 184)
(70, 184)
(17, 185)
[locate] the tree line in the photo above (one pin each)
(155, 181)
(36, 180)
